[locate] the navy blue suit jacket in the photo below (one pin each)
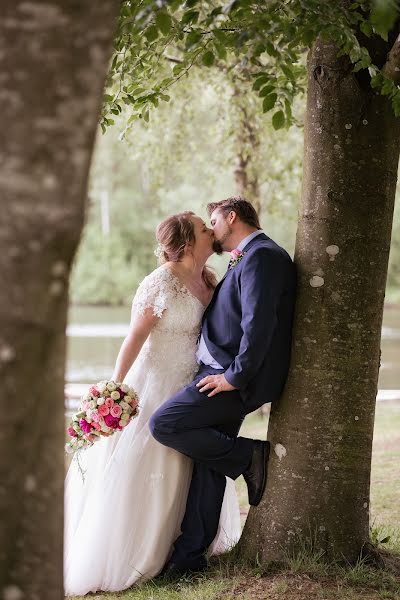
(248, 323)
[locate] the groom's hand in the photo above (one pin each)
(216, 383)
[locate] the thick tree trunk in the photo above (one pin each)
(53, 63)
(321, 430)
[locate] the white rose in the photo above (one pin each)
(124, 388)
(101, 386)
(93, 404)
(124, 405)
(80, 443)
(111, 386)
(127, 399)
(125, 416)
(123, 423)
(100, 401)
(115, 395)
(86, 397)
(89, 413)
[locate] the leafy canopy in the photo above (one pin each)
(159, 41)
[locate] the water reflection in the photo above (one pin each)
(95, 335)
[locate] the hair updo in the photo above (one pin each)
(173, 235)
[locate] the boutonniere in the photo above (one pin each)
(236, 257)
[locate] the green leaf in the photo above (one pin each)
(383, 16)
(151, 33)
(278, 120)
(366, 28)
(192, 39)
(385, 540)
(288, 109)
(191, 3)
(259, 82)
(221, 51)
(163, 22)
(287, 71)
(269, 103)
(377, 80)
(220, 35)
(270, 48)
(191, 16)
(266, 90)
(208, 58)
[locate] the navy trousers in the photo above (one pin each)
(205, 429)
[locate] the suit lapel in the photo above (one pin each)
(251, 243)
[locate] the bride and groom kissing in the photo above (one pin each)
(159, 496)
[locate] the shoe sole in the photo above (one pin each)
(266, 451)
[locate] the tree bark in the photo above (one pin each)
(53, 62)
(321, 430)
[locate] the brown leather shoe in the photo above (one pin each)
(256, 474)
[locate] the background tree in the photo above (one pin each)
(53, 62)
(322, 429)
(182, 157)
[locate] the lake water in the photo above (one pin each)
(95, 335)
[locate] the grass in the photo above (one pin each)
(305, 576)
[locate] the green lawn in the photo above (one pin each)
(305, 578)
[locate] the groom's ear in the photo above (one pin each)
(232, 217)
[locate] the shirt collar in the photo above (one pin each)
(248, 239)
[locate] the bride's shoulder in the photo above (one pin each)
(159, 276)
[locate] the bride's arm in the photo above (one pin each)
(139, 330)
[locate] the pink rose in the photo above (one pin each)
(134, 403)
(72, 432)
(85, 426)
(116, 410)
(103, 410)
(96, 426)
(111, 421)
(235, 253)
(109, 402)
(95, 416)
(86, 405)
(94, 391)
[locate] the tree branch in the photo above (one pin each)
(392, 66)
(172, 59)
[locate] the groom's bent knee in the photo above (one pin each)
(159, 428)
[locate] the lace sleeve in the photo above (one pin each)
(152, 293)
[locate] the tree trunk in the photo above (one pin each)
(53, 63)
(245, 170)
(321, 430)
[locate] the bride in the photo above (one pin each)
(122, 519)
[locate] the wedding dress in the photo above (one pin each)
(122, 518)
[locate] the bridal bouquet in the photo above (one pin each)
(107, 407)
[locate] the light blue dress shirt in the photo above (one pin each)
(203, 355)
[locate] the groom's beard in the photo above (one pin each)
(218, 245)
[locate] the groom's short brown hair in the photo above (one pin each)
(244, 210)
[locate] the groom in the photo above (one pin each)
(243, 357)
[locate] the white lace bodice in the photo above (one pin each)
(171, 345)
